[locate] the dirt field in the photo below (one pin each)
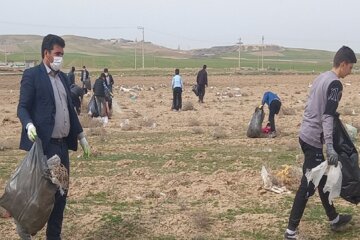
(159, 174)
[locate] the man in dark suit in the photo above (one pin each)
(71, 76)
(85, 79)
(202, 81)
(46, 111)
(109, 81)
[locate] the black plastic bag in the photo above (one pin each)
(93, 108)
(30, 195)
(254, 129)
(349, 158)
(195, 89)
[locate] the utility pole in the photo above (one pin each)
(5, 55)
(135, 52)
(262, 53)
(239, 53)
(142, 45)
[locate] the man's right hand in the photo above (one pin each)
(31, 132)
(332, 156)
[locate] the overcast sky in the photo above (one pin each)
(316, 24)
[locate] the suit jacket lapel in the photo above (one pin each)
(46, 81)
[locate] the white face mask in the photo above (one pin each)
(57, 63)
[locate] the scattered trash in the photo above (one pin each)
(289, 176)
(270, 184)
(58, 173)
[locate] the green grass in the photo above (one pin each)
(296, 60)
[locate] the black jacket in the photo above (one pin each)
(86, 75)
(98, 88)
(201, 78)
(37, 105)
(71, 78)
(111, 81)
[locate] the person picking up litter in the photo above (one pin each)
(274, 103)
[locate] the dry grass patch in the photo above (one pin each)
(193, 122)
(288, 111)
(187, 106)
(88, 122)
(148, 122)
(197, 130)
(219, 132)
(202, 219)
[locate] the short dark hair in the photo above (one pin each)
(49, 41)
(73, 69)
(106, 70)
(344, 54)
(102, 75)
(84, 67)
(177, 71)
(204, 67)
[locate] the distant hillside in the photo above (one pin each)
(120, 53)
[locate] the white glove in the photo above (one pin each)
(85, 146)
(31, 132)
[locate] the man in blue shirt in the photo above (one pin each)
(274, 103)
(177, 86)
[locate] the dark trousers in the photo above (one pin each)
(84, 87)
(177, 101)
(201, 91)
(313, 157)
(274, 108)
(109, 101)
(54, 224)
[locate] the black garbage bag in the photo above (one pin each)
(29, 194)
(254, 129)
(93, 108)
(195, 89)
(349, 158)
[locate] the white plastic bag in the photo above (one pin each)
(334, 178)
(266, 178)
(333, 182)
(315, 174)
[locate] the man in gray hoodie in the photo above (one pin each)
(317, 130)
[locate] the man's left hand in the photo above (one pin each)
(85, 146)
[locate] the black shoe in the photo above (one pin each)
(288, 236)
(343, 220)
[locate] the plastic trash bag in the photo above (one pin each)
(195, 89)
(333, 181)
(349, 158)
(93, 108)
(315, 174)
(266, 178)
(254, 129)
(29, 194)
